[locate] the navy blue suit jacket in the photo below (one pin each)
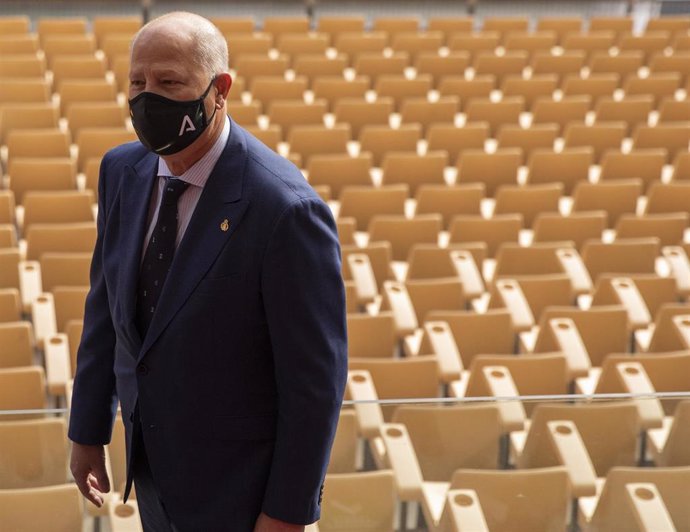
(240, 376)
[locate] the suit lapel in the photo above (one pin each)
(207, 233)
(135, 194)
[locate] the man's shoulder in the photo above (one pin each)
(269, 175)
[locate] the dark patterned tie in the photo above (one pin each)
(159, 254)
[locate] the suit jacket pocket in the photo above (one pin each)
(234, 428)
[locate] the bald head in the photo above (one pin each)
(203, 42)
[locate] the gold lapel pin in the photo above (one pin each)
(225, 225)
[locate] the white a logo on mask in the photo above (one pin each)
(186, 125)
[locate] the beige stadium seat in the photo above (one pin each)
(85, 91)
(334, 88)
(352, 44)
(537, 137)
(494, 231)
(496, 114)
(415, 43)
(449, 25)
(27, 116)
(449, 201)
(673, 137)
(433, 433)
(437, 66)
(601, 137)
(675, 450)
(277, 26)
(95, 142)
(399, 88)
(668, 228)
(590, 455)
(267, 89)
(115, 45)
(479, 87)
(59, 45)
(629, 256)
(671, 24)
(500, 66)
(270, 135)
(633, 110)
(624, 64)
(561, 26)
(648, 43)
(675, 63)
(18, 347)
(69, 304)
(380, 140)
(568, 167)
(104, 26)
(7, 207)
(363, 501)
(537, 86)
(10, 305)
(293, 44)
(360, 112)
(506, 25)
(659, 86)
(34, 453)
(491, 169)
(22, 90)
(644, 164)
(41, 174)
(375, 64)
(617, 25)
(335, 25)
(541, 258)
(363, 203)
(431, 261)
(230, 25)
(120, 69)
(530, 42)
(15, 25)
(561, 112)
(64, 269)
(49, 143)
(256, 44)
(427, 113)
(57, 207)
(414, 170)
(590, 43)
(474, 43)
(318, 140)
(403, 233)
(244, 114)
(61, 26)
(340, 171)
(455, 140)
(615, 197)
(537, 499)
(22, 389)
(9, 265)
(90, 115)
(19, 43)
(567, 64)
(315, 66)
(19, 66)
(379, 255)
(653, 487)
(288, 114)
(596, 86)
(88, 66)
(681, 167)
(672, 110)
(371, 336)
(528, 200)
(8, 236)
(76, 237)
(395, 25)
(577, 227)
(250, 66)
(667, 197)
(59, 507)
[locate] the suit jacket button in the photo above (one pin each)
(142, 369)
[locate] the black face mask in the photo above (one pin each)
(168, 126)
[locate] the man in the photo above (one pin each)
(224, 341)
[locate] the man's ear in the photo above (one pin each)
(223, 82)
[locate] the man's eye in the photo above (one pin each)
(136, 83)
(170, 82)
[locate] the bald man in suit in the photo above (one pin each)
(216, 311)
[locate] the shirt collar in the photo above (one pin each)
(199, 172)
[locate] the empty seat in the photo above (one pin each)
(674, 137)
(615, 197)
(287, 114)
(647, 165)
(528, 139)
(312, 140)
(494, 231)
(339, 171)
(474, 43)
(467, 90)
(374, 64)
(576, 227)
(635, 255)
(58, 207)
(76, 237)
(380, 140)
(667, 197)
(334, 88)
(403, 232)
(600, 137)
(360, 112)
(491, 169)
(538, 86)
(633, 110)
(437, 66)
(596, 86)
(449, 201)
(22, 389)
(501, 66)
(668, 228)
(267, 89)
(414, 170)
(41, 174)
(58, 507)
(362, 203)
(659, 86)
(568, 167)
(313, 66)
(528, 200)
(455, 140)
(496, 114)
(561, 65)
(17, 342)
(561, 112)
(426, 113)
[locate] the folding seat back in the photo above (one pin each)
(340, 171)
(674, 137)
(601, 137)
(494, 231)
(634, 255)
(22, 389)
(426, 113)
(77, 237)
(360, 112)
(496, 114)
(371, 336)
(414, 170)
(318, 140)
(27, 116)
(562, 65)
(17, 341)
(58, 507)
(449, 201)
(296, 113)
(58, 207)
(668, 228)
(455, 140)
(596, 86)
(647, 165)
(404, 232)
(437, 66)
(562, 112)
(467, 90)
(490, 169)
(279, 25)
(379, 140)
(616, 197)
(528, 140)
(577, 227)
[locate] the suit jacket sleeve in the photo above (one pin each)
(304, 302)
(94, 400)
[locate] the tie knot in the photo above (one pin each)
(173, 190)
